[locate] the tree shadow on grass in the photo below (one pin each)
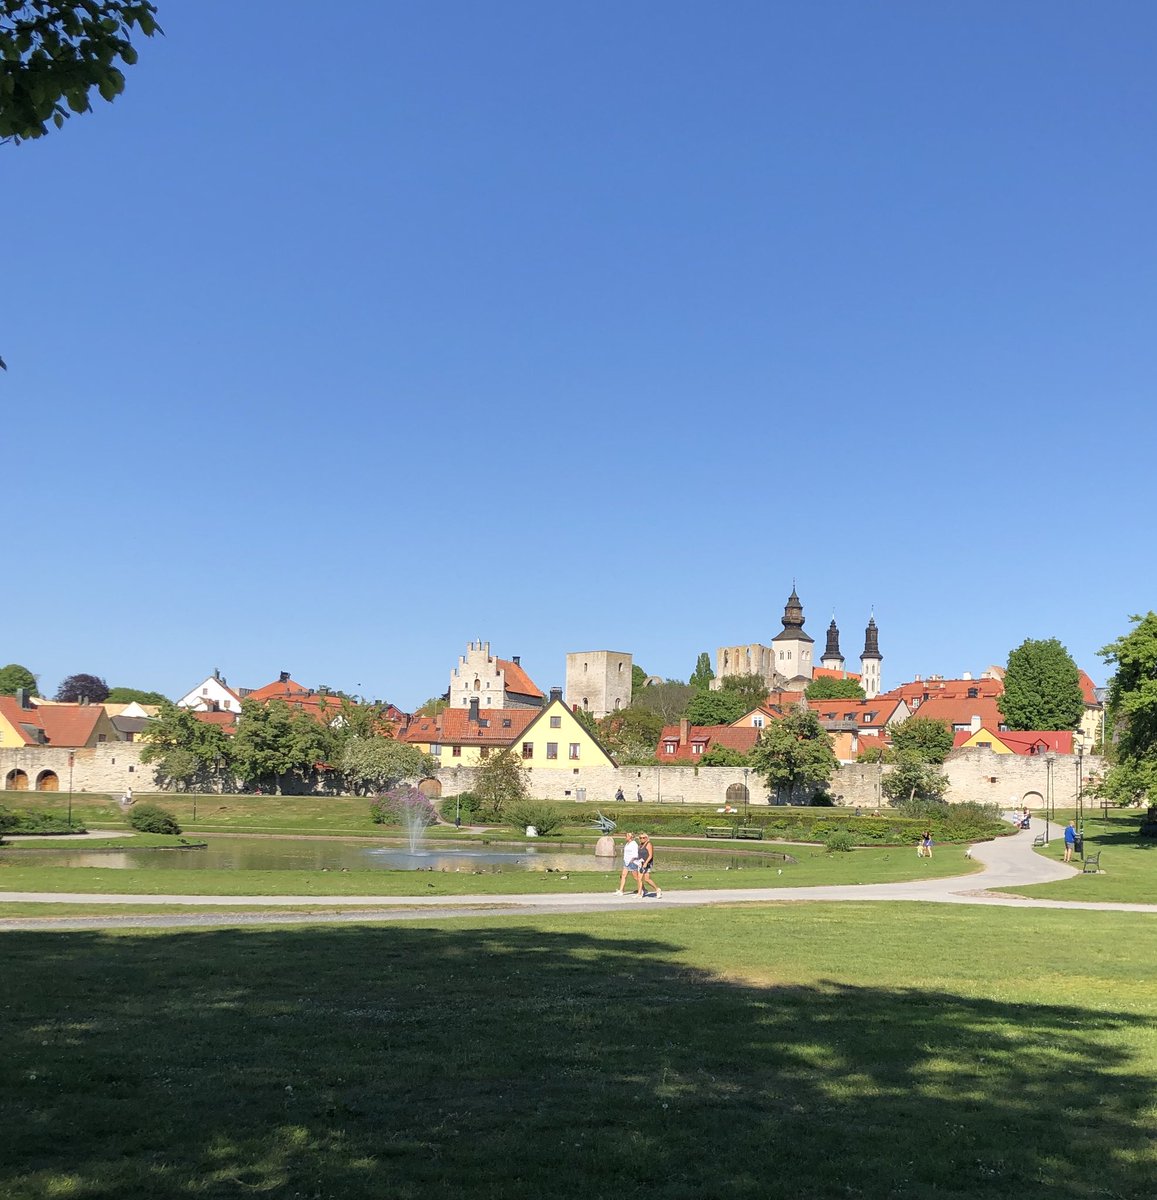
(516, 1062)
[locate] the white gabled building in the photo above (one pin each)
(211, 695)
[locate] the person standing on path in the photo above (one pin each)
(1070, 841)
(630, 860)
(646, 864)
(926, 844)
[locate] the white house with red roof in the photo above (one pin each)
(493, 682)
(211, 695)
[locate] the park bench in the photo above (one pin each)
(1039, 840)
(1092, 864)
(719, 831)
(752, 832)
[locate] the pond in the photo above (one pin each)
(327, 854)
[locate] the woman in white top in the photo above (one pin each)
(630, 860)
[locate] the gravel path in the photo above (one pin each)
(1009, 862)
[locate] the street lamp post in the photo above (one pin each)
(745, 771)
(457, 801)
(1081, 793)
(71, 758)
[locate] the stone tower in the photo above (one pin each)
(598, 681)
(870, 660)
(793, 647)
(832, 658)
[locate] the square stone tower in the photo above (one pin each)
(598, 681)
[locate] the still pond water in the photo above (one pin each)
(307, 854)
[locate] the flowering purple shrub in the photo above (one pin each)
(403, 805)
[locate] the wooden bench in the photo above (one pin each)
(752, 832)
(1039, 840)
(1092, 864)
(720, 831)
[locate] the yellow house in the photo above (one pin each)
(26, 722)
(549, 739)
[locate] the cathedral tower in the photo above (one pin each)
(832, 658)
(870, 660)
(793, 647)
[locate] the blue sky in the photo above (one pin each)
(350, 333)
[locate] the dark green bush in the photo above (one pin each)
(36, 822)
(839, 842)
(151, 818)
(543, 815)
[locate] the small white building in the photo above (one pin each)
(211, 695)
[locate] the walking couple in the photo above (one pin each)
(639, 860)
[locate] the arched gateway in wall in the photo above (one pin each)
(48, 781)
(16, 781)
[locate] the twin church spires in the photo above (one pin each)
(833, 660)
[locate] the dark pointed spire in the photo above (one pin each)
(871, 640)
(833, 648)
(792, 620)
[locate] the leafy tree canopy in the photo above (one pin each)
(703, 674)
(638, 680)
(1133, 712)
(631, 734)
(55, 53)
(501, 780)
(716, 708)
(827, 688)
(929, 740)
(433, 706)
(14, 676)
(78, 688)
(274, 740)
(795, 752)
(128, 695)
(724, 756)
(752, 689)
(914, 779)
(376, 764)
(667, 700)
(1042, 687)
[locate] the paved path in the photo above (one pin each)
(1008, 862)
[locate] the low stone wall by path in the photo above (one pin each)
(111, 767)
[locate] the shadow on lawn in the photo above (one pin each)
(399, 1062)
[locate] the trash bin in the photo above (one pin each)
(1079, 843)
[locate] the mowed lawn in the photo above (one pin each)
(815, 1050)
(1128, 863)
(814, 866)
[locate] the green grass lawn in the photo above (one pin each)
(814, 866)
(746, 1052)
(1128, 862)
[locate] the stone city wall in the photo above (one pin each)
(111, 767)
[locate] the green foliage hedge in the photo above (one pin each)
(151, 818)
(36, 822)
(543, 815)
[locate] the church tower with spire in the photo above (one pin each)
(793, 648)
(833, 659)
(870, 660)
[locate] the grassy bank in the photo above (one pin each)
(814, 867)
(864, 1051)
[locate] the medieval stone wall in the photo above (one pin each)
(111, 767)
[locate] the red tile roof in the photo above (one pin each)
(829, 673)
(920, 691)
(960, 710)
(278, 690)
(1088, 688)
(517, 680)
(227, 720)
(453, 726)
(878, 711)
(730, 737)
(64, 725)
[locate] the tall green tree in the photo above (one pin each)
(751, 689)
(912, 778)
(55, 53)
(186, 752)
(1132, 713)
(702, 676)
(928, 739)
(128, 695)
(795, 752)
(1042, 687)
(631, 734)
(376, 764)
(500, 780)
(638, 680)
(827, 688)
(274, 742)
(716, 708)
(668, 700)
(13, 677)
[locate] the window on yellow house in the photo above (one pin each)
(574, 749)
(527, 749)
(552, 749)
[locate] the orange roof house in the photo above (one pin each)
(493, 682)
(960, 712)
(23, 722)
(687, 743)
(1026, 742)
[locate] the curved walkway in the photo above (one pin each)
(1007, 862)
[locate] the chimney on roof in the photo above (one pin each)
(472, 716)
(966, 675)
(283, 677)
(684, 731)
(517, 660)
(555, 693)
(217, 673)
(974, 724)
(23, 698)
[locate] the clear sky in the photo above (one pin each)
(354, 331)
